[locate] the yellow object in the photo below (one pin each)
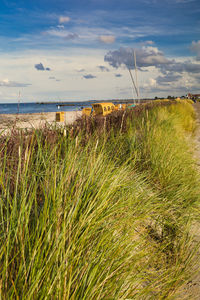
(103, 109)
(87, 111)
(60, 116)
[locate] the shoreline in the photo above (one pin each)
(35, 120)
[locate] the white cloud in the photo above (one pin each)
(150, 83)
(195, 47)
(64, 19)
(18, 68)
(146, 57)
(149, 42)
(8, 83)
(60, 26)
(107, 39)
(62, 34)
(168, 79)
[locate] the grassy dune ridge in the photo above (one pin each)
(101, 209)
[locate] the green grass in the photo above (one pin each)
(101, 215)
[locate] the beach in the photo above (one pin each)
(35, 120)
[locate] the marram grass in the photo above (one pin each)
(104, 219)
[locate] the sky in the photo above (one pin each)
(77, 50)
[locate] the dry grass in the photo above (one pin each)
(100, 209)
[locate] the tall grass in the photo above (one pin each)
(100, 212)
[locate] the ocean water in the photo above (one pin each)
(24, 108)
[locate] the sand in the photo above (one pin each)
(191, 289)
(34, 120)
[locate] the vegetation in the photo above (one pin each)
(100, 210)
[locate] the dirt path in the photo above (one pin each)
(197, 139)
(191, 290)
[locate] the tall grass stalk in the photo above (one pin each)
(104, 217)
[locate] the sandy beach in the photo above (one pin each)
(34, 120)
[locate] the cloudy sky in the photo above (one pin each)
(82, 49)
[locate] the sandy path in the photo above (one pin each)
(34, 120)
(194, 285)
(191, 290)
(197, 139)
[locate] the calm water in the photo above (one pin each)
(24, 108)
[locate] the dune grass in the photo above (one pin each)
(101, 215)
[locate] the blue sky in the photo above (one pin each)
(82, 49)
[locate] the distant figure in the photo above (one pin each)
(58, 106)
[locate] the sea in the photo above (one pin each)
(26, 108)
